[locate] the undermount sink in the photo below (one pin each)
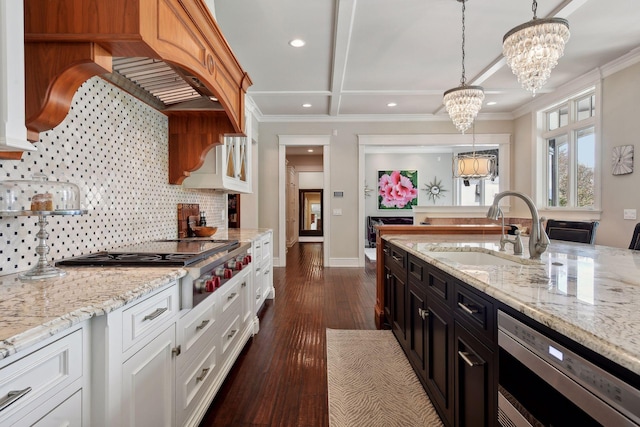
(474, 258)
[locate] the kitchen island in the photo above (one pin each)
(590, 294)
(476, 324)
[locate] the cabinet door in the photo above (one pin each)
(439, 350)
(476, 392)
(398, 289)
(416, 334)
(148, 384)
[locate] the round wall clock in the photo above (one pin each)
(434, 189)
(622, 159)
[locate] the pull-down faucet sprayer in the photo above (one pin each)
(538, 239)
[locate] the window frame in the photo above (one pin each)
(542, 137)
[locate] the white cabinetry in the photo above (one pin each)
(263, 270)
(13, 132)
(49, 384)
(211, 336)
(226, 167)
(134, 356)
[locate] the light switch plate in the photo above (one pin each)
(337, 211)
(629, 214)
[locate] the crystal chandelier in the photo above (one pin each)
(532, 49)
(474, 165)
(463, 102)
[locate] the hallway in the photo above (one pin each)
(280, 378)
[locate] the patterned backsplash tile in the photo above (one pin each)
(115, 149)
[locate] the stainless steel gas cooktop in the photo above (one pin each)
(156, 253)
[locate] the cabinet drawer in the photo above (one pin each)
(36, 377)
(417, 269)
(195, 328)
(194, 383)
(68, 413)
(266, 247)
(439, 285)
(231, 298)
(475, 311)
(395, 258)
(229, 336)
(144, 318)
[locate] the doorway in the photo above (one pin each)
(311, 213)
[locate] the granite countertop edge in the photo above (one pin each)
(598, 344)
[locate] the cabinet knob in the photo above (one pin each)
(175, 351)
(424, 314)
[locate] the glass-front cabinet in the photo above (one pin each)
(226, 167)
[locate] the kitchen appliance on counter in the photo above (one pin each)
(543, 383)
(209, 263)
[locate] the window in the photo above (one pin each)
(570, 164)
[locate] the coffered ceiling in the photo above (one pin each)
(361, 55)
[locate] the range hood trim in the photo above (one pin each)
(62, 53)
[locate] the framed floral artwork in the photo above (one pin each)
(397, 189)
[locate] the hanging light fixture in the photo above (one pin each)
(474, 165)
(532, 49)
(464, 102)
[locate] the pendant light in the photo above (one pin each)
(474, 165)
(463, 102)
(532, 49)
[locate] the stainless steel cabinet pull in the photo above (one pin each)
(233, 332)
(176, 351)
(467, 309)
(244, 284)
(388, 276)
(424, 314)
(267, 271)
(386, 251)
(396, 258)
(258, 296)
(232, 296)
(12, 396)
(203, 324)
(470, 359)
(155, 314)
(202, 376)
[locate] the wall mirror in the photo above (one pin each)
(311, 210)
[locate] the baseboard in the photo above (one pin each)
(313, 239)
(344, 262)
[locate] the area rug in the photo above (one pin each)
(371, 382)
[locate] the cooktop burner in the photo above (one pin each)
(166, 253)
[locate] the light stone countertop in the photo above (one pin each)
(590, 294)
(31, 311)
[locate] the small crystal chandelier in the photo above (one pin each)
(464, 102)
(532, 49)
(474, 165)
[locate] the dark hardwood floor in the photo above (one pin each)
(280, 379)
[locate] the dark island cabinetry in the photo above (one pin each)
(447, 331)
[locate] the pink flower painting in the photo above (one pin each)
(397, 189)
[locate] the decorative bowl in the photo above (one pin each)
(205, 231)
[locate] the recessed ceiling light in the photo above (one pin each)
(492, 103)
(310, 150)
(297, 43)
(306, 105)
(391, 104)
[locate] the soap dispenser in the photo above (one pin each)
(203, 220)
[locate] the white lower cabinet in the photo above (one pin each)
(148, 383)
(45, 386)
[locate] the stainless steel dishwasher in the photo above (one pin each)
(542, 383)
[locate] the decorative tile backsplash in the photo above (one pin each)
(115, 149)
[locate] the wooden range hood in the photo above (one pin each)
(70, 41)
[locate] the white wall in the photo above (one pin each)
(310, 180)
(430, 166)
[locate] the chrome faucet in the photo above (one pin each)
(538, 239)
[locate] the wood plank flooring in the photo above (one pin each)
(280, 379)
